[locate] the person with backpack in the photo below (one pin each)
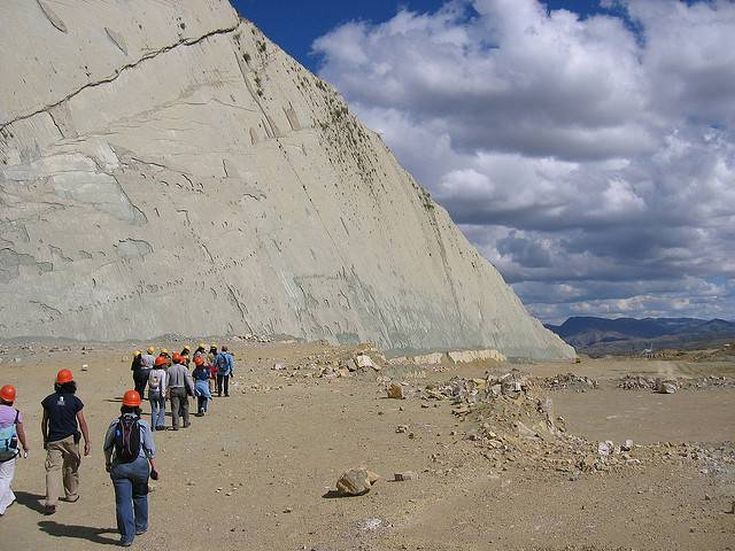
(225, 369)
(11, 432)
(62, 419)
(140, 369)
(201, 386)
(157, 386)
(130, 459)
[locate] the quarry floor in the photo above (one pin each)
(256, 472)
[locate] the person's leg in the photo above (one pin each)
(175, 408)
(140, 494)
(161, 420)
(185, 409)
(7, 471)
(154, 412)
(123, 503)
(140, 382)
(227, 385)
(220, 378)
(54, 463)
(72, 460)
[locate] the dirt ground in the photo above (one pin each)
(257, 471)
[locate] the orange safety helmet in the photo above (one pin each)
(160, 361)
(176, 357)
(64, 376)
(131, 398)
(198, 360)
(7, 394)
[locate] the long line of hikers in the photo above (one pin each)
(166, 376)
(128, 445)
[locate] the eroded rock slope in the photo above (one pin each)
(165, 168)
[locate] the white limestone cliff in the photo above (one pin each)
(165, 168)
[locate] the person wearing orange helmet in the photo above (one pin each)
(157, 387)
(201, 385)
(180, 387)
(62, 419)
(11, 432)
(130, 459)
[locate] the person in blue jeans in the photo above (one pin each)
(225, 370)
(157, 386)
(129, 458)
(201, 386)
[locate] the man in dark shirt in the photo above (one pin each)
(62, 419)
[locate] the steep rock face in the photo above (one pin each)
(165, 168)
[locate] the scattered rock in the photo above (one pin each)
(604, 449)
(405, 476)
(395, 391)
(356, 482)
(666, 386)
(401, 429)
(627, 445)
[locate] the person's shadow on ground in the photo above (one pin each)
(80, 532)
(32, 501)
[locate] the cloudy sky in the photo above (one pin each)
(587, 148)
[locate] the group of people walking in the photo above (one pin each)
(167, 376)
(128, 444)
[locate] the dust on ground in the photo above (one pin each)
(505, 456)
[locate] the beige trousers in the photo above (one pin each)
(62, 462)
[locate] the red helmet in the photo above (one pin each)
(161, 361)
(176, 357)
(64, 376)
(198, 360)
(7, 394)
(131, 398)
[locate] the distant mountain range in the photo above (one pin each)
(630, 335)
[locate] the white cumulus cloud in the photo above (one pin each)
(590, 157)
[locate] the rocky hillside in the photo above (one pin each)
(627, 335)
(165, 168)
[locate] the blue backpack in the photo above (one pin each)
(9, 440)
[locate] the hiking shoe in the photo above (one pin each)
(70, 499)
(49, 510)
(140, 532)
(187, 425)
(126, 543)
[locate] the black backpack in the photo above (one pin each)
(127, 439)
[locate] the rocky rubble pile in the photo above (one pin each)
(332, 365)
(468, 392)
(672, 385)
(569, 381)
(514, 426)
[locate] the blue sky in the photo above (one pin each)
(294, 27)
(589, 154)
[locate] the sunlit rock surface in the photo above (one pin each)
(165, 168)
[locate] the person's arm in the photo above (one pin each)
(85, 431)
(44, 428)
(22, 436)
(189, 383)
(149, 447)
(108, 446)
